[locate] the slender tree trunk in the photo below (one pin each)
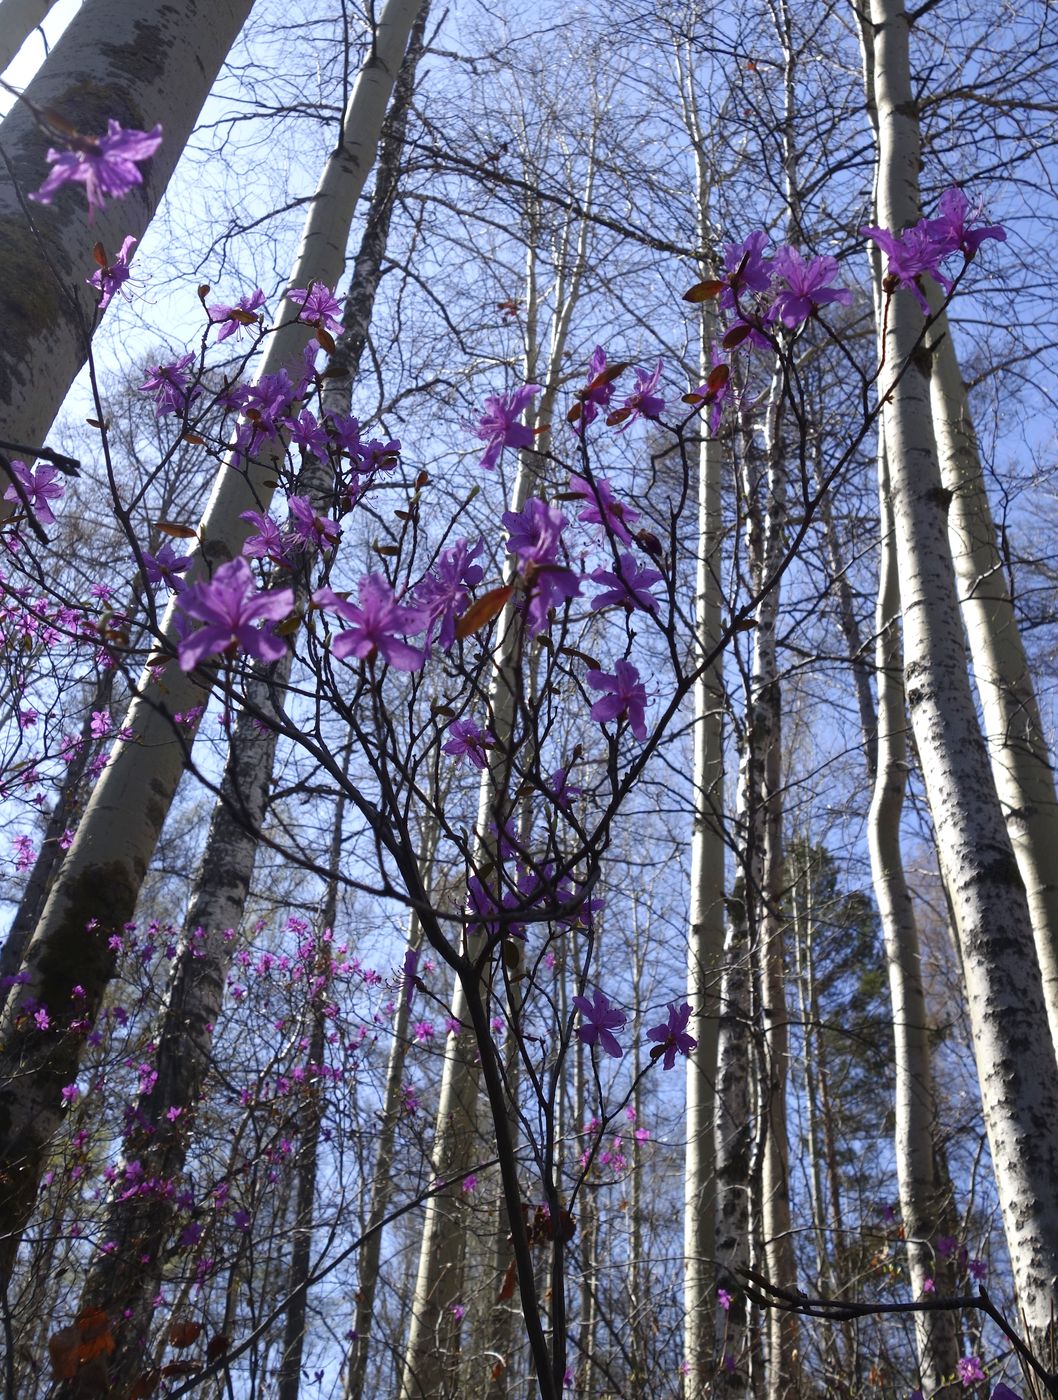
(288, 1381)
(104, 868)
(708, 850)
(18, 19)
(139, 64)
(915, 1110)
(1019, 1086)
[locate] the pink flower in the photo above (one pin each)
(723, 1297)
(468, 741)
(112, 278)
(969, 1369)
(598, 1022)
(234, 319)
(101, 724)
(626, 698)
(603, 507)
(107, 166)
(626, 587)
(229, 604)
(671, 1036)
(318, 307)
(376, 625)
(38, 487)
(596, 394)
(806, 287)
(642, 402)
(498, 426)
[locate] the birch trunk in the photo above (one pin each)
(105, 866)
(915, 1111)
(138, 64)
(1019, 1086)
(18, 19)
(432, 1344)
(708, 850)
(1021, 761)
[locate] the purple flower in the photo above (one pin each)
(165, 567)
(534, 535)
(1004, 1392)
(306, 433)
(969, 1369)
(346, 433)
(745, 269)
(671, 1036)
(110, 279)
(603, 508)
(716, 390)
(269, 401)
(442, 594)
(318, 307)
(229, 603)
(951, 227)
(911, 254)
(724, 1298)
(233, 320)
(376, 625)
(311, 530)
(411, 964)
(468, 741)
(268, 541)
(806, 287)
(642, 402)
(168, 384)
(978, 1270)
(39, 486)
(378, 456)
(596, 394)
(625, 697)
(105, 166)
(498, 426)
(627, 587)
(562, 791)
(598, 1022)
(946, 1246)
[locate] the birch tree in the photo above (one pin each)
(106, 863)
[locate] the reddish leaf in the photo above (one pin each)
(482, 611)
(146, 1384)
(718, 378)
(573, 416)
(498, 1370)
(423, 479)
(176, 531)
(736, 335)
(386, 550)
(62, 1349)
(100, 255)
(325, 339)
(703, 291)
(182, 1368)
(184, 1334)
(203, 292)
(194, 439)
(95, 423)
(618, 416)
(244, 318)
(509, 1280)
(218, 1347)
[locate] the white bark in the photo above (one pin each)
(1019, 1083)
(1021, 760)
(708, 850)
(140, 64)
(18, 19)
(116, 838)
(914, 1103)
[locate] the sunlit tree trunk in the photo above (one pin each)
(104, 868)
(920, 1197)
(706, 932)
(139, 65)
(1019, 1086)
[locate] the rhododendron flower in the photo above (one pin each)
(642, 402)
(951, 226)
(970, 1371)
(233, 320)
(113, 277)
(267, 541)
(596, 394)
(603, 507)
(443, 595)
(306, 433)
(165, 567)
(498, 426)
(724, 1298)
(107, 166)
(229, 604)
(534, 536)
(745, 269)
(168, 384)
(1004, 1392)
(407, 976)
(671, 1036)
(311, 530)
(807, 287)
(318, 307)
(39, 486)
(378, 456)
(912, 253)
(598, 1022)
(626, 697)
(468, 740)
(627, 587)
(377, 624)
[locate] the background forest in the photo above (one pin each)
(527, 621)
